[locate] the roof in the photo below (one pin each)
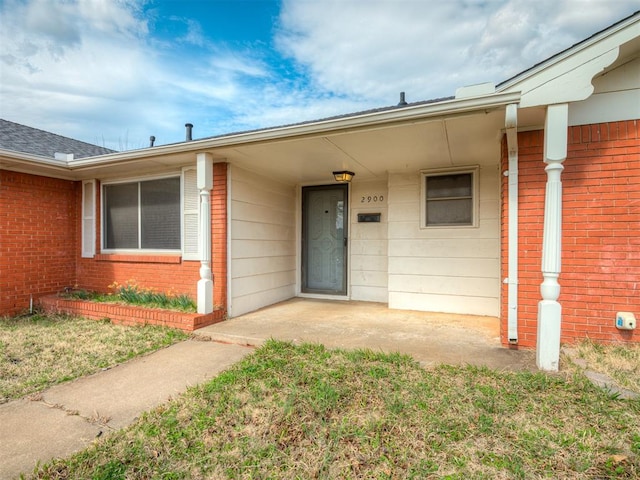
(329, 119)
(20, 138)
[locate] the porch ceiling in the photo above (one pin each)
(372, 153)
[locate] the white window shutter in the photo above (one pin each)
(190, 215)
(88, 219)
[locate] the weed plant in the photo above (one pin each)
(297, 412)
(133, 294)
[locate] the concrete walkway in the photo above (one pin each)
(431, 338)
(69, 417)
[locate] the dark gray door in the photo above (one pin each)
(324, 239)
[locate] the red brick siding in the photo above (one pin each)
(38, 237)
(600, 242)
(219, 234)
(40, 220)
(165, 273)
(130, 315)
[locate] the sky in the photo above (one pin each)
(115, 72)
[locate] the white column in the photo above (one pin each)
(205, 184)
(549, 309)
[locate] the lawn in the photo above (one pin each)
(38, 351)
(288, 412)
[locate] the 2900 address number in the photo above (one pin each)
(372, 199)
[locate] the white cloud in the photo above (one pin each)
(376, 48)
(96, 69)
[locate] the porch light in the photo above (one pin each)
(343, 176)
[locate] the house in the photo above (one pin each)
(519, 201)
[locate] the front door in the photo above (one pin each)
(324, 239)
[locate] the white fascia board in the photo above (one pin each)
(567, 76)
(13, 155)
(343, 124)
(34, 164)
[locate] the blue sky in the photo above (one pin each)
(114, 72)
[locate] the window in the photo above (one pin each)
(142, 215)
(449, 198)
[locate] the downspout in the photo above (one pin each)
(511, 127)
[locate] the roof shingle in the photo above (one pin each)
(20, 138)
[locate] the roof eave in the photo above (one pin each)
(34, 164)
(401, 115)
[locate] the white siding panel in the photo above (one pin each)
(448, 267)
(406, 230)
(256, 300)
(444, 303)
(258, 231)
(253, 284)
(252, 189)
(369, 246)
(370, 294)
(260, 213)
(445, 248)
(441, 285)
(260, 248)
(615, 97)
(371, 278)
(371, 263)
(454, 270)
(245, 267)
(263, 244)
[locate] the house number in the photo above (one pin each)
(372, 198)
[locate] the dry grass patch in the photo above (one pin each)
(288, 412)
(621, 362)
(41, 350)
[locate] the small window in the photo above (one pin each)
(143, 215)
(449, 199)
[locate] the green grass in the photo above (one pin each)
(42, 350)
(288, 412)
(621, 362)
(132, 294)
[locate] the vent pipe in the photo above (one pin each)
(402, 102)
(152, 139)
(189, 127)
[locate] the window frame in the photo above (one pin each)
(475, 196)
(138, 251)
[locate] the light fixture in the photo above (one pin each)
(343, 176)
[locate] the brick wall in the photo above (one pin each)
(165, 273)
(38, 237)
(600, 241)
(219, 234)
(129, 314)
(40, 253)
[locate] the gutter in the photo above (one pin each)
(24, 163)
(511, 126)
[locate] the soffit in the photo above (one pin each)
(371, 154)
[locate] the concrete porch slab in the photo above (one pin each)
(431, 338)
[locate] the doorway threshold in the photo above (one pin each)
(324, 296)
